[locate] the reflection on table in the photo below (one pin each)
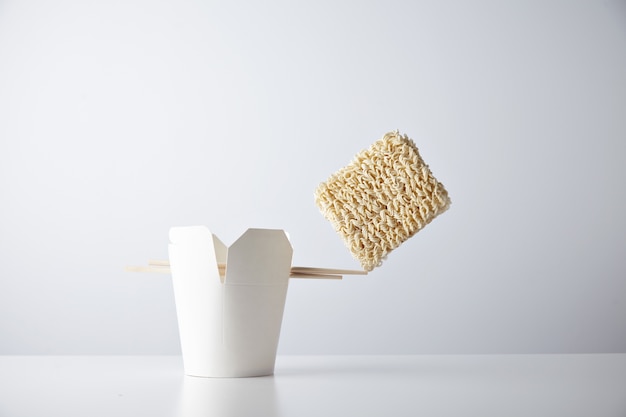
(228, 397)
(428, 385)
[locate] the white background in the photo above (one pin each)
(120, 119)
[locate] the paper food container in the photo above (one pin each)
(229, 325)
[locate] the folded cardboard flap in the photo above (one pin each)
(195, 249)
(259, 257)
(221, 250)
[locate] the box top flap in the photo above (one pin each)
(259, 257)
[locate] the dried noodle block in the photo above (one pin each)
(382, 198)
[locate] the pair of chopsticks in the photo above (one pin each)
(163, 267)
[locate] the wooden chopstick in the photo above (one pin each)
(315, 276)
(161, 269)
(312, 270)
(157, 269)
(294, 269)
(156, 262)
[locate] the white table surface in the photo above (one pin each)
(423, 385)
